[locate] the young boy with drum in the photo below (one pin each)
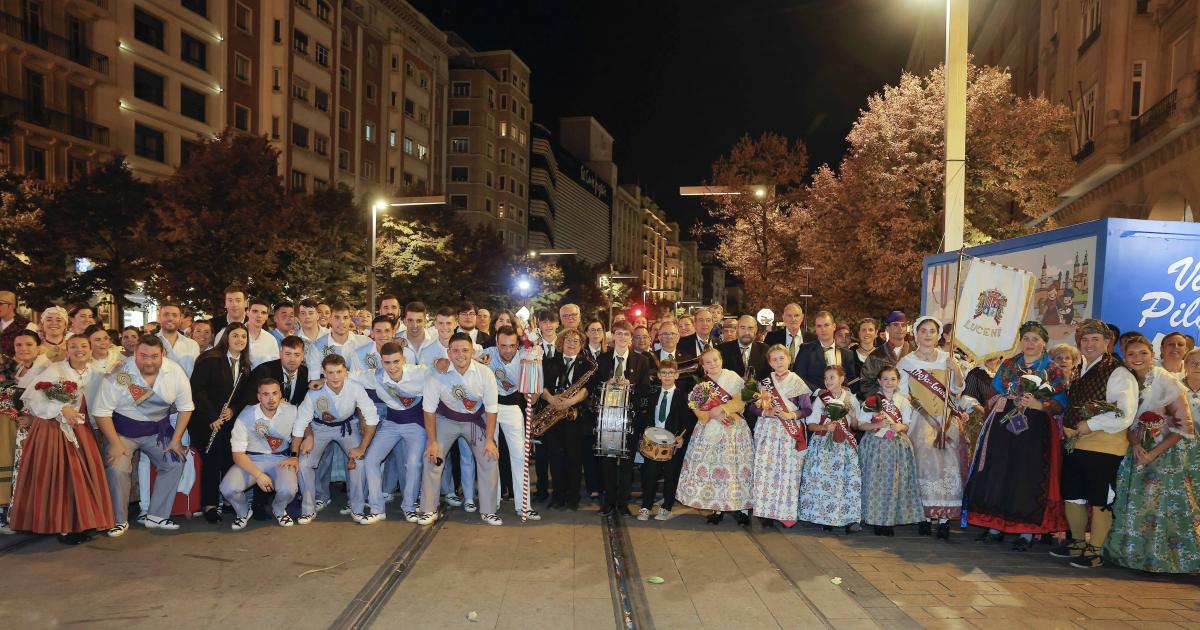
(662, 441)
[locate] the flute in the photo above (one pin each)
(213, 436)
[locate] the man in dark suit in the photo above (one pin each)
(745, 353)
(668, 410)
(690, 346)
(292, 374)
(814, 356)
(466, 324)
(622, 362)
(790, 336)
(10, 322)
(235, 312)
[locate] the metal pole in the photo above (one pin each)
(956, 122)
(371, 266)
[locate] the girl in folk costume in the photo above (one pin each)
(925, 374)
(1155, 527)
(1014, 484)
(889, 474)
(779, 442)
(60, 487)
(718, 469)
(831, 490)
(15, 374)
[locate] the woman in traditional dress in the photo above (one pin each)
(718, 469)
(889, 474)
(213, 383)
(779, 441)
(60, 484)
(15, 373)
(1013, 485)
(831, 488)
(1154, 514)
(53, 330)
(937, 437)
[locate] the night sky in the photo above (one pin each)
(677, 82)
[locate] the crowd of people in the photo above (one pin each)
(1088, 447)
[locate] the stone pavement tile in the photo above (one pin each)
(1190, 615)
(775, 592)
(537, 605)
(1151, 602)
(916, 600)
(1093, 612)
(952, 612)
(963, 600)
(1004, 612)
(593, 613)
(947, 624)
(956, 586)
(1156, 614)
(1008, 624)
(1023, 601)
(842, 624)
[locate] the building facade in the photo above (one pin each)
(655, 235)
(627, 229)
(712, 278)
(689, 262)
(1129, 73)
(571, 197)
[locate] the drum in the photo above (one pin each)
(613, 423)
(657, 444)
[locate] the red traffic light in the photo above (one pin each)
(637, 311)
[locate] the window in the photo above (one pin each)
(490, 151)
(35, 162)
(491, 123)
(344, 77)
(323, 10)
(491, 98)
(241, 67)
(500, 211)
(512, 186)
(343, 118)
(148, 143)
(460, 174)
(503, 155)
(460, 145)
(199, 7)
(1091, 20)
(299, 88)
(242, 17)
(299, 181)
(192, 103)
(460, 89)
(392, 138)
(521, 190)
(241, 117)
(391, 174)
(369, 91)
(487, 206)
(278, 32)
(76, 167)
(409, 71)
(321, 144)
(503, 101)
(322, 55)
(321, 100)
(503, 128)
(460, 117)
(408, 145)
(1085, 118)
(346, 43)
(193, 51)
(276, 74)
(368, 170)
(1138, 89)
(147, 28)
(458, 202)
(522, 114)
(187, 149)
(424, 81)
(274, 127)
(300, 41)
(410, 107)
(504, 74)
(147, 85)
(487, 179)
(395, 62)
(369, 132)
(503, 181)
(300, 135)
(393, 100)
(343, 159)
(423, 116)
(372, 55)
(408, 181)
(1180, 55)
(319, 184)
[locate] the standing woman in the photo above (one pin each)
(889, 474)
(213, 380)
(502, 319)
(1173, 347)
(784, 401)
(831, 492)
(15, 374)
(718, 469)
(596, 343)
(925, 374)
(1154, 514)
(866, 331)
(79, 318)
(60, 485)
(53, 329)
(1013, 485)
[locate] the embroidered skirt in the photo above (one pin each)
(60, 488)
(718, 469)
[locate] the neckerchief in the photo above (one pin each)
(789, 424)
(843, 424)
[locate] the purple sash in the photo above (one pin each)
(413, 415)
(344, 425)
(458, 416)
(131, 428)
(283, 453)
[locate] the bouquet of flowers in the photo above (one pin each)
(1027, 384)
(65, 392)
(1151, 426)
(750, 391)
(1090, 410)
(873, 404)
(701, 397)
(836, 410)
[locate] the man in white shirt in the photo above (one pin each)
(264, 455)
(179, 348)
(133, 411)
(340, 340)
(330, 412)
(416, 335)
(503, 361)
(389, 305)
(284, 320)
(791, 335)
(444, 324)
(461, 404)
(366, 357)
(310, 328)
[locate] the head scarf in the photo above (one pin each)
(1093, 327)
(1037, 328)
(927, 318)
(56, 310)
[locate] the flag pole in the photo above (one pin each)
(950, 352)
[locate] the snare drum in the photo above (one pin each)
(657, 444)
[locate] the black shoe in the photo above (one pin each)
(556, 504)
(766, 522)
(943, 531)
(924, 529)
(889, 531)
(1020, 544)
(212, 515)
(742, 518)
(74, 539)
(1068, 548)
(607, 509)
(574, 507)
(988, 537)
(849, 530)
(879, 530)
(538, 497)
(623, 510)
(827, 528)
(1089, 559)
(715, 518)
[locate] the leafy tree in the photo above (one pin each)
(30, 264)
(329, 259)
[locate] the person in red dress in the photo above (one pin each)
(59, 486)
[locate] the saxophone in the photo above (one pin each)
(548, 417)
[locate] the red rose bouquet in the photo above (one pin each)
(64, 392)
(1150, 426)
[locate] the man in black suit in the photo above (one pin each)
(745, 352)
(668, 410)
(235, 312)
(691, 346)
(292, 374)
(466, 324)
(623, 363)
(816, 355)
(790, 336)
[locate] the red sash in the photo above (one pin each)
(889, 409)
(720, 392)
(790, 425)
(843, 432)
(930, 383)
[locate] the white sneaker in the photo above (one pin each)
(141, 519)
(453, 500)
(284, 521)
(427, 518)
(321, 505)
(643, 514)
(345, 510)
(469, 506)
(239, 523)
(663, 515)
(305, 519)
(412, 517)
(153, 522)
(5, 529)
(492, 519)
(371, 519)
(118, 531)
(533, 515)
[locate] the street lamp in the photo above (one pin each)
(377, 207)
(534, 253)
(760, 191)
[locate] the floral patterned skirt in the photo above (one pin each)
(889, 481)
(719, 468)
(1156, 515)
(831, 490)
(939, 470)
(777, 468)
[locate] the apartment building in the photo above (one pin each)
(627, 228)
(654, 252)
(712, 278)
(572, 182)
(1129, 73)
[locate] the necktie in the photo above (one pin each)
(549, 348)
(670, 356)
(233, 366)
(662, 410)
(620, 371)
(745, 357)
(287, 386)
(566, 375)
(792, 344)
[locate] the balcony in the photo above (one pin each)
(1089, 40)
(1152, 118)
(53, 119)
(1085, 151)
(53, 43)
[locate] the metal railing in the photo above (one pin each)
(1152, 118)
(62, 122)
(52, 42)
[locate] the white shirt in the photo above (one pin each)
(252, 426)
(787, 339)
(317, 350)
(412, 353)
(1122, 391)
(321, 332)
(663, 398)
(5, 323)
(512, 369)
(171, 385)
(624, 363)
(832, 356)
(340, 405)
(473, 333)
(184, 351)
(662, 354)
(263, 349)
(548, 348)
(410, 385)
(478, 381)
(434, 351)
(365, 358)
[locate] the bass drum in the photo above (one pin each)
(613, 423)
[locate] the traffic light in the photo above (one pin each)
(637, 310)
